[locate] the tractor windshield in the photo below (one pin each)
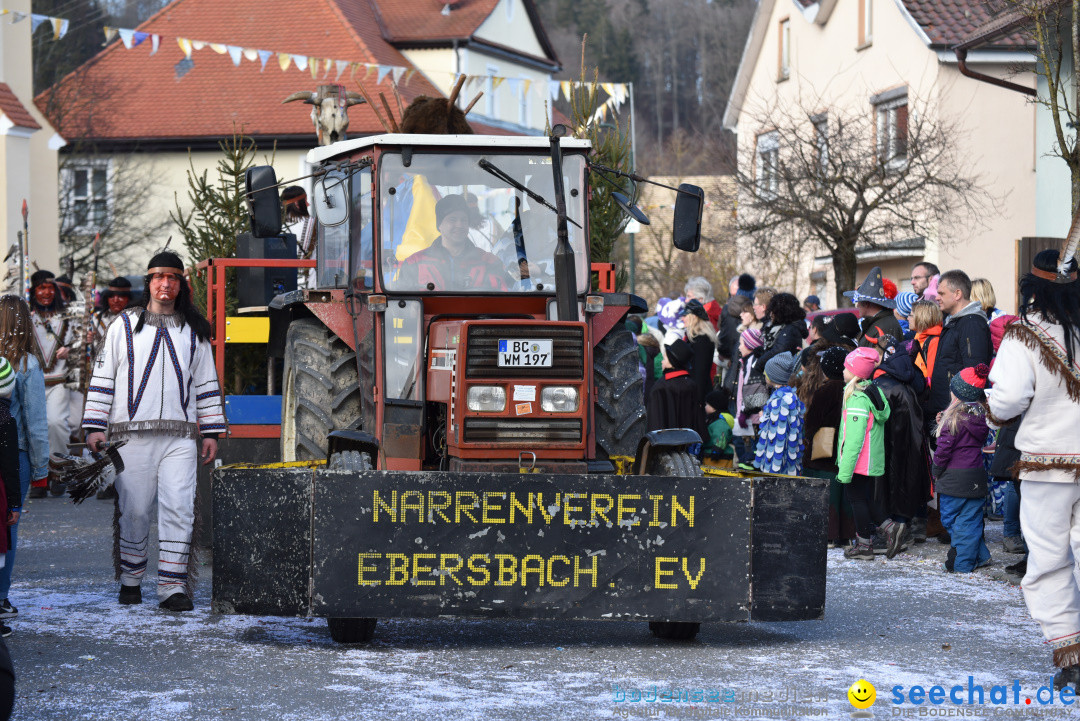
(450, 225)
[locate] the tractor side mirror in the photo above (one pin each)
(629, 208)
(264, 204)
(332, 198)
(689, 204)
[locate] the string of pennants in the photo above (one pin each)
(618, 93)
(325, 68)
(59, 25)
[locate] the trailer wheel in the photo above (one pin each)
(674, 463)
(321, 390)
(351, 630)
(620, 395)
(674, 630)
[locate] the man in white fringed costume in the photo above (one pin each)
(154, 384)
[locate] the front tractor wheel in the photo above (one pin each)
(620, 397)
(674, 463)
(321, 390)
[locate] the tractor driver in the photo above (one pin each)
(452, 262)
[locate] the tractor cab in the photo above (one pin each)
(437, 294)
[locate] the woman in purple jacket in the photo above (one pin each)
(958, 468)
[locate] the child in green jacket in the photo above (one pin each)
(861, 454)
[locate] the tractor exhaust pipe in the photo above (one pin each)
(565, 269)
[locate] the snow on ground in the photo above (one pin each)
(79, 655)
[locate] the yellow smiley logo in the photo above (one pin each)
(862, 694)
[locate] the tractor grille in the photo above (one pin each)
(568, 347)
(526, 431)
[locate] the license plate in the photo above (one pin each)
(522, 353)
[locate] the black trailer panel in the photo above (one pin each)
(262, 541)
(530, 546)
(392, 543)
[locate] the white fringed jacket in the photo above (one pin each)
(160, 380)
(1032, 377)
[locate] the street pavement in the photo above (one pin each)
(79, 655)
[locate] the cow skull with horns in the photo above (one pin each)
(330, 113)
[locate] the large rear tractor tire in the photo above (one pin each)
(674, 463)
(321, 390)
(351, 630)
(620, 396)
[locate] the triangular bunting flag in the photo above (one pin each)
(219, 48)
(251, 54)
(384, 70)
(515, 86)
(397, 72)
(138, 38)
(314, 67)
(341, 65)
(496, 82)
(609, 88)
(235, 52)
(155, 43)
(369, 70)
(283, 60)
(198, 44)
(528, 84)
(565, 84)
(110, 33)
(35, 21)
(126, 36)
(327, 64)
(4, 12)
(264, 55)
(553, 89)
(186, 46)
(300, 61)
(17, 17)
(60, 28)
(409, 75)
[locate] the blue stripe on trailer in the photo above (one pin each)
(253, 410)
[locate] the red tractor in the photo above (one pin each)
(480, 414)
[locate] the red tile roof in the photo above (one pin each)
(422, 20)
(15, 111)
(147, 102)
(948, 22)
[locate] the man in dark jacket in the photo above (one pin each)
(907, 477)
(727, 342)
(965, 338)
(875, 309)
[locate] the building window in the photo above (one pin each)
(892, 131)
(821, 143)
(784, 70)
(491, 108)
(86, 190)
(866, 22)
(768, 164)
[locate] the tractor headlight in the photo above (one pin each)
(486, 399)
(559, 399)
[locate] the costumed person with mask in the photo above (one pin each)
(876, 306)
(1037, 375)
(674, 401)
(54, 335)
(114, 300)
(154, 385)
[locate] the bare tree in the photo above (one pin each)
(102, 191)
(852, 180)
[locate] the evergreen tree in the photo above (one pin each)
(218, 214)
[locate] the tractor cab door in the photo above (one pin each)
(403, 392)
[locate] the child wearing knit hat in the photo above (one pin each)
(960, 477)
(861, 455)
(905, 301)
(748, 391)
(780, 432)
